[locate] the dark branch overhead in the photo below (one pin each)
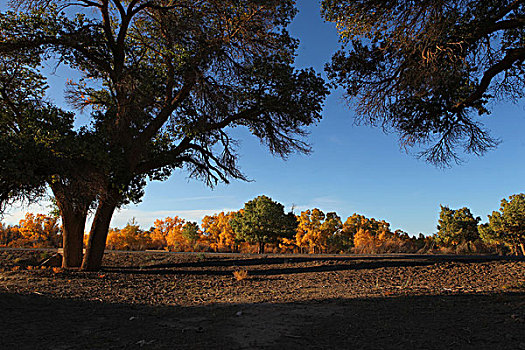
(427, 69)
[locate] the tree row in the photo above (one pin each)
(262, 225)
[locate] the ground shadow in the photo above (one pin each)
(493, 321)
(336, 263)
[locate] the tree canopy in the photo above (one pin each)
(266, 227)
(263, 221)
(426, 68)
(190, 231)
(457, 226)
(219, 232)
(315, 229)
(163, 83)
(507, 226)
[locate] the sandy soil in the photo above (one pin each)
(192, 301)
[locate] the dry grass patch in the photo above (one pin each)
(240, 274)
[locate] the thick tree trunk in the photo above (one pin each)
(261, 247)
(74, 223)
(97, 236)
(73, 212)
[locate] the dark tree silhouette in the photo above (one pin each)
(426, 68)
(164, 83)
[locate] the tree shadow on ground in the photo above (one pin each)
(335, 263)
(492, 321)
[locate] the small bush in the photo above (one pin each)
(240, 275)
(201, 256)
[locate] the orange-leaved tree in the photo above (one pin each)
(218, 231)
(309, 229)
(315, 229)
(367, 234)
(131, 237)
(168, 233)
(39, 230)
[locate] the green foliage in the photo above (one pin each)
(263, 221)
(164, 83)
(339, 243)
(427, 68)
(457, 226)
(8, 234)
(190, 231)
(507, 226)
(37, 140)
(163, 87)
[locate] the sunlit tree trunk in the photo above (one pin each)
(98, 236)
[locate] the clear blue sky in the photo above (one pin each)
(352, 168)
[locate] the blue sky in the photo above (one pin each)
(352, 168)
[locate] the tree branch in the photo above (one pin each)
(512, 56)
(106, 21)
(164, 160)
(70, 41)
(157, 123)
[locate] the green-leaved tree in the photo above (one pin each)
(163, 84)
(263, 221)
(457, 226)
(190, 231)
(507, 226)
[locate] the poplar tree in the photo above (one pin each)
(163, 84)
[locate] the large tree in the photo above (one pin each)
(457, 226)
(427, 68)
(507, 226)
(163, 83)
(315, 229)
(263, 221)
(218, 231)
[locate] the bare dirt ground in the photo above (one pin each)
(192, 301)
